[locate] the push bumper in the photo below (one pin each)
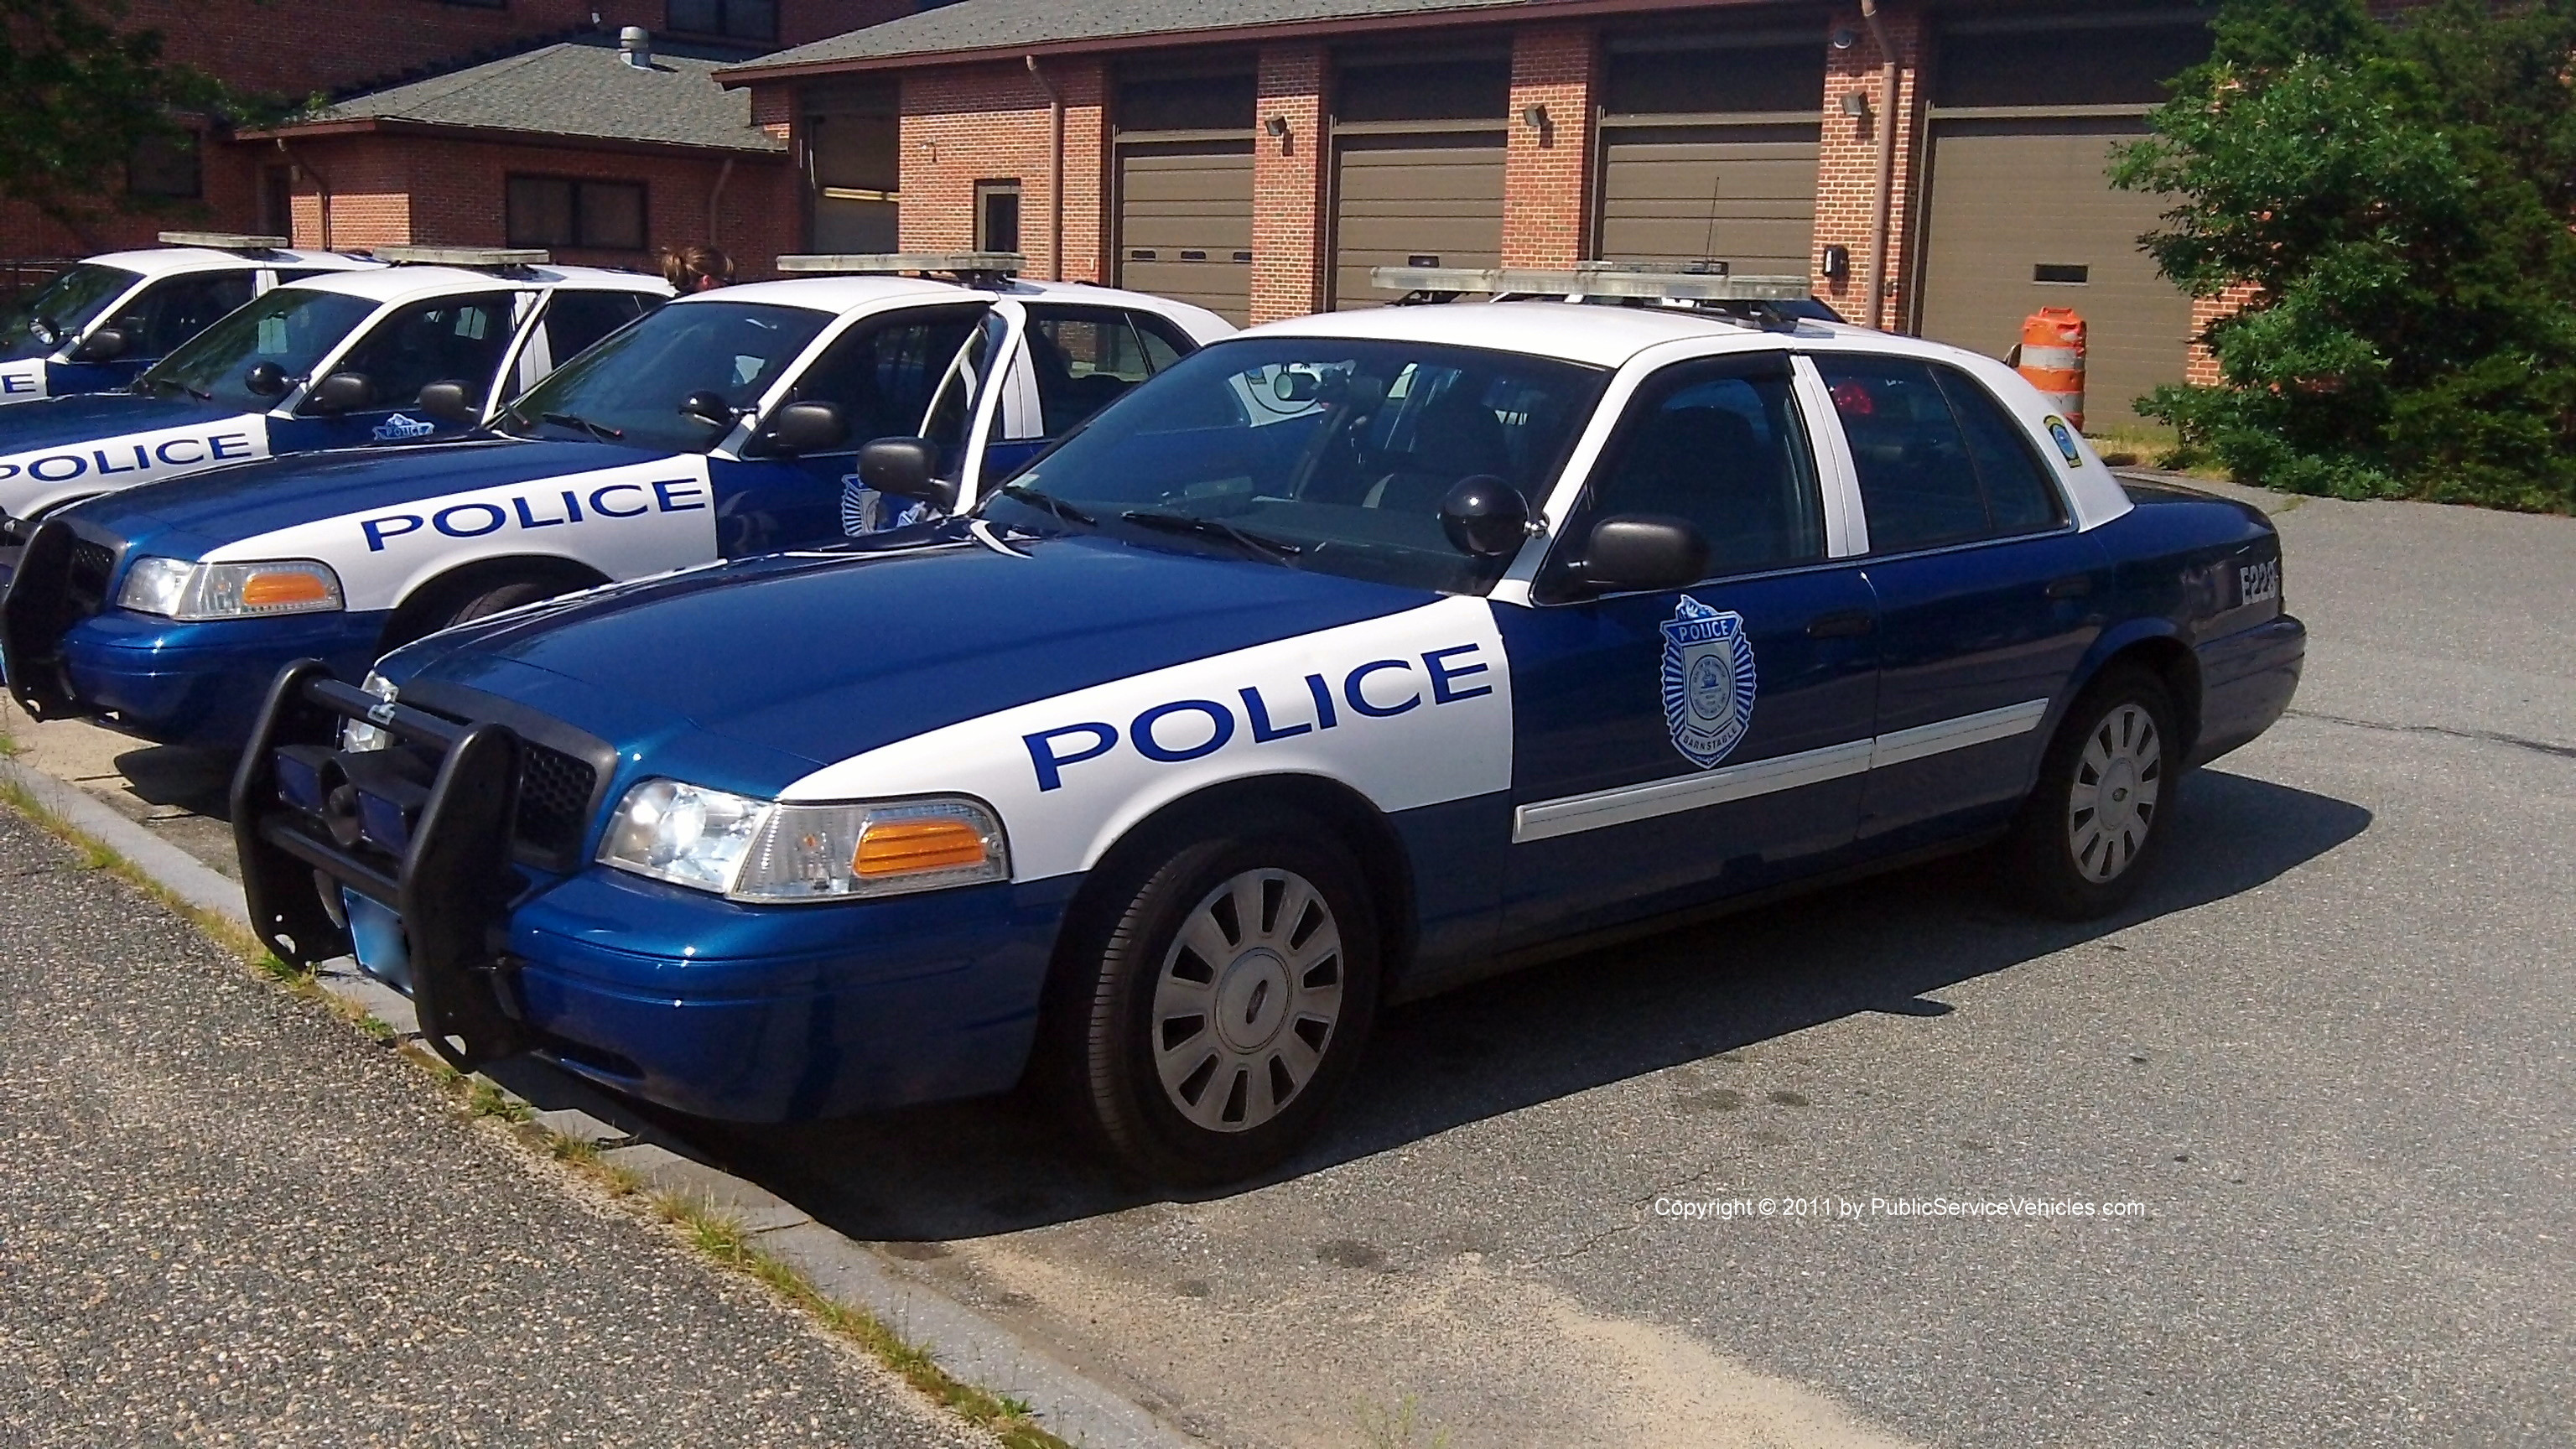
(2246, 682)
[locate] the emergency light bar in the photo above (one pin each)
(487, 257)
(1590, 281)
(223, 241)
(889, 264)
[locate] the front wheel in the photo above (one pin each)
(2100, 812)
(1219, 1000)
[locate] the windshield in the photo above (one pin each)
(629, 387)
(34, 326)
(1333, 456)
(290, 327)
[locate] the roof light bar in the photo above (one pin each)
(1591, 281)
(889, 264)
(223, 241)
(464, 256)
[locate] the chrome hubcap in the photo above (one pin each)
(2117, 781)
(1247, 999)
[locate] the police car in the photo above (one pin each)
(99, 323)
(389, 354)
(1351, 659)
(723, 425)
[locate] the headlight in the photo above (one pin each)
(178, 589)
(762, 851)
(357, 735)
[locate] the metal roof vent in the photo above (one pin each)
(636, 44)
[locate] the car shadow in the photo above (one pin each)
(973, 1169)
(197, 781)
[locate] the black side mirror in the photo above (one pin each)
(342, 392)
(1485, 517)
(449, 402)
(903, 468)
(265, 379)
(709, 408)
(105, 345)
(1640, 553)
(808, 427)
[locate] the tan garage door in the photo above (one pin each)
(1414, 200)
(2021, 218)
(1739, 194)
(1185, 224)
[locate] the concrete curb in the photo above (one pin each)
(966, 1343)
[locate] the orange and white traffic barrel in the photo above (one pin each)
(2052, 357)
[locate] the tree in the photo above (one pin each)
(79, 96)
(2398, 199)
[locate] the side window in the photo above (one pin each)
(574, 320)
(1720, 444)
(884, 373)
(1085, 359)
(169, 313)
(450, 339)
(2021, 496)
(1164, 343)
(1931, 474)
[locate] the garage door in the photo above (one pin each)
(1740, 194)
(1414, 201)
(1185, 224)
(2020, 218)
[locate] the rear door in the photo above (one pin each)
(1674, 746)
(1077, 359)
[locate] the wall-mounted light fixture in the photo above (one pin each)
(1536, 116)
(1836, 262)
(1856, 105)
(1276, 126)
(1844, 37)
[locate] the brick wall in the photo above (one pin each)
(1288, 225)
(1547, 203)
(1847, 164)
(963, 125)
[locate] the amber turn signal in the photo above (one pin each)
(286, 586)
(907, 847)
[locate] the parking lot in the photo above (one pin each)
(2278, 1155)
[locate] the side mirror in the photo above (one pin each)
(449, 402)
(1485, 517)
(903, 468)
(105, 345)
(1640, 553)
(265, 379)
(709, 408)
(808, 427)
(342, 392)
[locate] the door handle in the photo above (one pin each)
(2074, 586)
(1841, 624)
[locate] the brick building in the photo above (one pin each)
(1261, 155)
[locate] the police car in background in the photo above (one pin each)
(102, 321)
(721, 426)
(1353, 658)
(390, 354)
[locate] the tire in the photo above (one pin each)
(2108, 787)
(1196, 1071)
(426, 614)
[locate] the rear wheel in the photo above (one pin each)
(2093, 825)
(1217, 1002)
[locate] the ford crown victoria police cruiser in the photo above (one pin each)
(724, 425)
(1353, 658)
(104, 320)
(328, 362)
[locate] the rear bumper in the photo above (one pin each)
(2246, 682)
(199, 684)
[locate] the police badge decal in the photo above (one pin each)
(1709, 681)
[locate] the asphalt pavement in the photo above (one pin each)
(226, 1218)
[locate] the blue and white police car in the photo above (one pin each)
(723, 425)
(1351, 659)
(397, 353)
(98, 324)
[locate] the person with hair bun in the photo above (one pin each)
(696, 268)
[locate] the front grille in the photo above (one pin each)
(85, 585)
(554, 799)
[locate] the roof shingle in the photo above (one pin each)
(579, 89)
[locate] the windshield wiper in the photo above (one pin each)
(1258, 545)
(200, 394)
(601, 431)
(1049, 502)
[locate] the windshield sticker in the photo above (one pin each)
(397, 429)
(1709, 682)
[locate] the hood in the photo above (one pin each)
(187, 516)
(49, 423)
(820, 657)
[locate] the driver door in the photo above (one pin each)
(975, 400)
(444, 339)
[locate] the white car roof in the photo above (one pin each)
(841, 294)
(410, 283)
(174, 261)
(1595, 335)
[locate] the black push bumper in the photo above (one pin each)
(37, 607)
(424, 827)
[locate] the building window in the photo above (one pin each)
(556, 211)
(997, 216)
(733, 19)
(165, 166)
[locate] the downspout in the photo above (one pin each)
(715, 198)
(1882, 216)
(1055, 170)
(321, 188)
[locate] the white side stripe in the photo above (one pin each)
(1578, 813)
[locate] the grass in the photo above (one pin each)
(1398, 1428)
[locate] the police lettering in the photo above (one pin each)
(533, 511)
(18, 384)
(1193, 729)
(117, 458)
